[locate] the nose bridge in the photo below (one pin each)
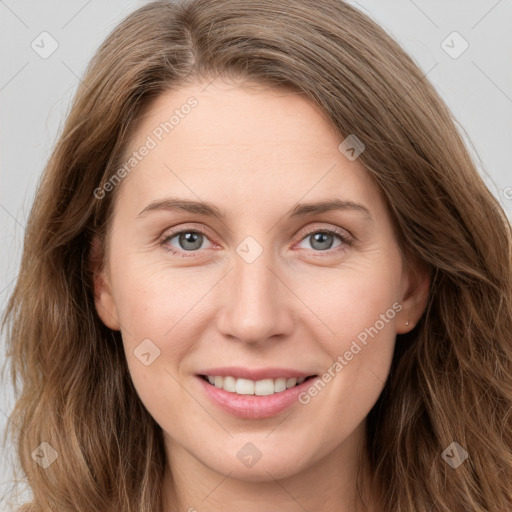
(253, 306)
(252, 282)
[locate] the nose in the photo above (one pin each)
(254, 305)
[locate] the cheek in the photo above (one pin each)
(155, 301)
(358, 309)
(158, 314)
(351, 299)
(359, 360)
(162, 312)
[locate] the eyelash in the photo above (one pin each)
(346, 241)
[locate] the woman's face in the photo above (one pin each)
(223, 262)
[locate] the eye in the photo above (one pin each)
(321, 240)
(191, 241)
(186, 241)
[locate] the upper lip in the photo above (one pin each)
(255, 374)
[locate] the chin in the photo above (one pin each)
(252, 465)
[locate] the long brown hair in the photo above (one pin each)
(451, 376)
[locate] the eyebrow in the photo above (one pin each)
(210, 210)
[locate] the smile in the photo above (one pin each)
(263, 387)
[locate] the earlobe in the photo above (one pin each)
(103, 297)
(414, 300)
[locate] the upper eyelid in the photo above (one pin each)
(337, 230)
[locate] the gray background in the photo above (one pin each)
(35, 95)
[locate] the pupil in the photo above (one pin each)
(320, 238)
(191, 238)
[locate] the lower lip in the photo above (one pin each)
(254, 406)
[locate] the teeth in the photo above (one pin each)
(229, 384)
(279, 385)
(251, 387)
(291, 382)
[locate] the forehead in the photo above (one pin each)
(243, 141)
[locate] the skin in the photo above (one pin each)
(254, 152)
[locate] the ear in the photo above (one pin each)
(416, 286)
(103, 297)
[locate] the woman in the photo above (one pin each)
(258, 367)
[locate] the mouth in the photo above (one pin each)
(264, 387)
